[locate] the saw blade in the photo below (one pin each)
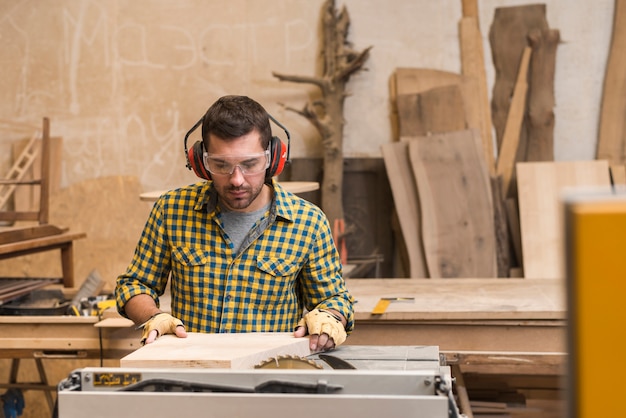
(288, 362)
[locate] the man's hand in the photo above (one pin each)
(161, 324)
(326, 328)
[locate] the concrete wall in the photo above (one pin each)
(122, 81)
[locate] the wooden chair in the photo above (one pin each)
(18, 241)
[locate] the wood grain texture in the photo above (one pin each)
(404, 190)
(473, 66)
(618, 174)
(541, 101)
(508, 38)
(612, 131)
(501, 231)
(540, 186)
(413, 81)
(512, 219)
(456, 203)
(515, 117)
(417, 80)
(461, 299)
(231, 351)
(440, 109)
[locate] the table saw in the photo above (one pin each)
(386, 381)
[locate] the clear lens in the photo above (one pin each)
(248, 164)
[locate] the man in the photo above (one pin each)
(244, 254)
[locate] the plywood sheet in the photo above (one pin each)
(456, 204)
(540, 187)
(231, 351)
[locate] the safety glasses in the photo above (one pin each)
(225, 165)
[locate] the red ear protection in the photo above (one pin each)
(195, 161)
(279, 154)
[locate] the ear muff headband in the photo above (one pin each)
(193, 156)
(279, 153)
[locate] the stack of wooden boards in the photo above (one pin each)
(470, 204)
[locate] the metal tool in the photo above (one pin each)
(336, 362)
(106, 392)
(92, 286)
(287, 362)
(390, 381)
(383, 304)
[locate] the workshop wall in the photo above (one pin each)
(123, 81)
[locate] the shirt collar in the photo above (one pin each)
(282, 201)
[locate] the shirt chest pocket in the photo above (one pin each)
(275, 285)
(190, 257)
(278, 268)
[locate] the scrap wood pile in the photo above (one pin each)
(469, 204)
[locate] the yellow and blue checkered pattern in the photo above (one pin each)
(290, 264)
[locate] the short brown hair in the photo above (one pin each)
(234, 116)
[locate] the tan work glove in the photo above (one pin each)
(163, 323)
(319, 321)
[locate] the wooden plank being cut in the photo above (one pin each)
(230, 351)
(540, 185)
(456, 204)
(612, 131)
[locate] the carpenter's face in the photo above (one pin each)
(238, 169)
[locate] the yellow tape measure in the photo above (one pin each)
(383, 304)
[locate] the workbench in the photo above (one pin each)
(61, 338)
(492, 326)
(503, 325)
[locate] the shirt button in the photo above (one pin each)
(229, 297)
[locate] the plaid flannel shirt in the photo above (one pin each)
(287, 262)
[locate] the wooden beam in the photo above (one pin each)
(510, 139)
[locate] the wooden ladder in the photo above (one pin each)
(21, 165)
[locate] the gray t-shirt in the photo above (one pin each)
(238, 224)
